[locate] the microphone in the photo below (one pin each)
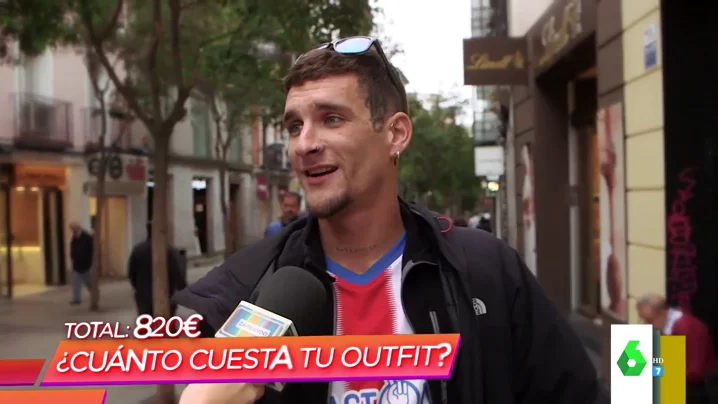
(288, 305)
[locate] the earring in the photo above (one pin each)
(396, 158)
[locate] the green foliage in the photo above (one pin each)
(170, 46)
(438, 166)
(246, 68)
(34, 25)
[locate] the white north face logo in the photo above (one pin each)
(479, 306)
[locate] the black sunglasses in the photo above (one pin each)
(359, 45)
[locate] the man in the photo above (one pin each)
(485, 223)
(140, 273)
(81, 254)
(701, 361)
(290, 203)
(347, 118)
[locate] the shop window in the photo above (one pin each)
(25, 219)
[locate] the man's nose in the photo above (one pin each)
(307, 141)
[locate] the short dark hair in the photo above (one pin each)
(383, 96)
(291, 194)
(461, 222)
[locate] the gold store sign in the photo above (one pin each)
(495, 61)
(483, 61)
(565, 25)
(41, 176)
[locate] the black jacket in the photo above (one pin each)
(516, 348)
(81, 249)
(140, 274)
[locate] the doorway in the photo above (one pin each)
(586, 210)
(233, 219)
(150, 193)
(53, 236)
(6, 240)
(113, 235)
(38, 239)
(201, 222)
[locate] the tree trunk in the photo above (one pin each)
(160, 274)
(229, 234)
(100, 199)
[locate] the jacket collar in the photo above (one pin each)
(303, 246)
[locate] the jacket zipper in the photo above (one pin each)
(435, 327)
(432, 316)
(334, 304)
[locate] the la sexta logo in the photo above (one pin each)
(631, 362)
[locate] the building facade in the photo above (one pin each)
(48, 172)
(489, 19)
(608, 185)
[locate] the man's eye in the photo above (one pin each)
(294, 128)
(332, 120)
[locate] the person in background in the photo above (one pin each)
(461, 222)
(81, 254)
(140, 274)
(280, 195)
(484, 223)
(701, 362)
(474, 221)
(290, 205)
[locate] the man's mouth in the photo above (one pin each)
(320, 171)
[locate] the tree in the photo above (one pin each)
(34, 25)
(232, 79)
(438, 165)
(103, 146)
(159, 47)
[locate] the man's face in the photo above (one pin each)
(338, 156)
(649, 315)
(74, 227)
(290, 207)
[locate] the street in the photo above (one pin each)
(32, 326)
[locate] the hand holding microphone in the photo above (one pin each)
(287, 305)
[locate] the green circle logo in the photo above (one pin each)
(631, 361)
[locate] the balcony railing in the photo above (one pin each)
(42, 122)
(120, 133)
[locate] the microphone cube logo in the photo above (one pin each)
(631, 362)
(248, 320)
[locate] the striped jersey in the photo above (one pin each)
(370, 304)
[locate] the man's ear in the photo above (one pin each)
(400, 132)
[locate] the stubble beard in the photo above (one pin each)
(328, 207)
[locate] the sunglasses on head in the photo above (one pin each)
(359, 45)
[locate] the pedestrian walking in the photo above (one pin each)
(81, 255)
(389, 266)
(140, 274)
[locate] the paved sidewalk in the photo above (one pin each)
(32, 326)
